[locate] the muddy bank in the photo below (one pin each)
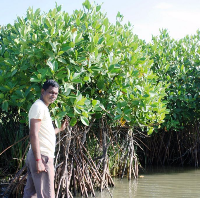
(3, 187)
(4, 183)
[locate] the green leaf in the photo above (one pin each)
(65, 47)
(135, 102)
(78, 21)
(78, 38)
(72, 44)
(96, 52)
(53, 65)
(1, 79)
(114, 68)
(110, 42)
(1, 95)
(94, 102)
(81, 102)
(62, 60)
(95, 39)
(86, 78)
(127, 118)
(97, 108)
(43, 71)
(61, 114)
(87, 4)
(58, 122)
(117, 117)
(84, 120)
(77, 110)
(5, 105)
(150, 131)
(35, 79)
(101, 40)
(152, 94)
(73, 121)
(53, 45)
(98, 8)
(127, 110)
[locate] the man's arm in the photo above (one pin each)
(57, 130)
(35, 146)
(63, 127)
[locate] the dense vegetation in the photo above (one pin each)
(115, 88)
(177, 63)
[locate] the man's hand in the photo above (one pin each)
(40, 167)
(64, 125)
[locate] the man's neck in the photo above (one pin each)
(41, 98)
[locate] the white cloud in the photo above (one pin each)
(186, 16)
(163, 6)
(181, 22)
(141, 30)
(178, 22)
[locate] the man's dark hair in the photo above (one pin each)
(49, 83)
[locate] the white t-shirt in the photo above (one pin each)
(47, 137)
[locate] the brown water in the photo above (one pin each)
(165, 182)
(158, 183)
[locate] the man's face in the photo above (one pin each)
(49, 95)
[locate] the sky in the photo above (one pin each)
(179, 17)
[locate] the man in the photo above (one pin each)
(40, 181)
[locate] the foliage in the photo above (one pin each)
(12, 134)
(105, 72)
(101, 67)
(177, 63)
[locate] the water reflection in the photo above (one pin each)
(158, 183)
(165, 182)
